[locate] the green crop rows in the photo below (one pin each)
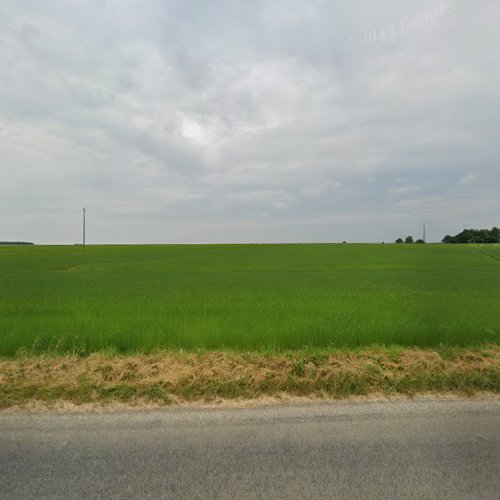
(246, 297)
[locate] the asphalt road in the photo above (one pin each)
(418, 449)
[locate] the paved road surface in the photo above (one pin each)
(419, 449)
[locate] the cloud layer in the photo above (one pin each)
(193, 121)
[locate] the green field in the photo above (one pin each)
(246, 297)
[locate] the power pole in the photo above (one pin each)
(423, 231)
(83, 228)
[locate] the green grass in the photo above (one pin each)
(246, 297)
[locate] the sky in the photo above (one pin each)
(248, 121)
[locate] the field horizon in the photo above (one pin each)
(272, 296)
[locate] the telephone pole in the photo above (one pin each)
(423, 232)
(83, 241)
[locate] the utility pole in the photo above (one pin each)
(423, 232)
(83, 228)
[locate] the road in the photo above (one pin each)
(412, 449)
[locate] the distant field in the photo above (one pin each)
(246, 297)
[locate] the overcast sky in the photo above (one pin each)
(248, 121)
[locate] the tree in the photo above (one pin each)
(420, 241)
(399, 240)
(409, 239)
(448, 239)
(475, 236)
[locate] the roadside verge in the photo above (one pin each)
(176, 377)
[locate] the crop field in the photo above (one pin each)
(139, 299)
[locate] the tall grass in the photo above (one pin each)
(246, 297)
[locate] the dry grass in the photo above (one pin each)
(167, 377)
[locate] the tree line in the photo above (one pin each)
(466, 236)
(475, 236)
(16, 243)
(409, 239)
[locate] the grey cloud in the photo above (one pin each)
(336, 120)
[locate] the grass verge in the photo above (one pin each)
(172, 377)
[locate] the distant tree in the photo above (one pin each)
(466, 236)
(475, 236)
(16, 243)
(409, 239)
(399, 240)
(420, 241)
